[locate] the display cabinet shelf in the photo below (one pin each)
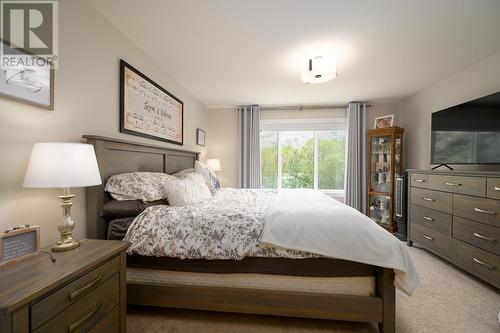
(384, 161)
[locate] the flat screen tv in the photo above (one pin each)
(468, 133)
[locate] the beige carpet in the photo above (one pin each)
(447, 300)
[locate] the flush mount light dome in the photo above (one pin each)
(319, 70)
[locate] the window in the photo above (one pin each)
(307, 158)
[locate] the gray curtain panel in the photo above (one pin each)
(249, 132)
(355, 181)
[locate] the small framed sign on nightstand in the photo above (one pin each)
(18, 244)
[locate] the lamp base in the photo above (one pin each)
(66, 242)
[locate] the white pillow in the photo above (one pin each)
(186, 190)
(210, 178)
(145, 186)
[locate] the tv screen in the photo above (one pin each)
(468, 133)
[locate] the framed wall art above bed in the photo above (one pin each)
(147, 109)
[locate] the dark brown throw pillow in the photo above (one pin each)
(126, 208)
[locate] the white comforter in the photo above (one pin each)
(310, 221)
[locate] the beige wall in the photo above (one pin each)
(382, 109)
(223, 143)
(480, 79)
(86, 102)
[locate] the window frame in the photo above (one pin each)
(305, 125)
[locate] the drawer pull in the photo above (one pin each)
(427, 218)
(419, 180)
(489, 239)
(452, 184)
(489, 212)
(428, 199)
(80, 292)
(482, 263)
(496, 188)
(80, 322)
(428, 237)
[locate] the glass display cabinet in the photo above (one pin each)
(384, 162)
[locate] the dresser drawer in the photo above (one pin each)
(84, 314)
(419, 180)
(477, 234)
(493, 188)
(431, 218)
(64, 297)
(477, 260)
(432, 199)
(458, 184)
(477, 209)
(431, 238)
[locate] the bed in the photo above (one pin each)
(320, 287)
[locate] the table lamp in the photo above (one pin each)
(63, 165)
(214, 164)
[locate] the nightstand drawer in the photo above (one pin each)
(477, 260)
(477, 209)
(432, 238)
(432, 199)
(109, 324)
(431, 218)
(458, 184)
(477, 234)
(83, 315)
(493, 188)
(64, 297)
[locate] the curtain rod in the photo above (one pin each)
(305, 107)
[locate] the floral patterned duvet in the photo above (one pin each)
(229, 225)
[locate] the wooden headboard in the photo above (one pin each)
(116, 156)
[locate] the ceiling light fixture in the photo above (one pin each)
(319, 70)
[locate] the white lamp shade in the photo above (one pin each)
(214, 164)
(62, 165)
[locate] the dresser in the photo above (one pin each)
(456, 215)
(84, 290)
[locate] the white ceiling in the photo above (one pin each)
(230, 52)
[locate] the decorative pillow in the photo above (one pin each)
(186, 189)
(144, 186)
(210, 178)
(116, 209)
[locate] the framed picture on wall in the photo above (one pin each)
(384, 121)
(32, 83)
(147, 109)
(201, 137)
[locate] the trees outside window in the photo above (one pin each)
(303, 159)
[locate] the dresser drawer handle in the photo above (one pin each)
(80, 322)
(489, 212)
(419, 180)
(496, 188)
(482, 263)
(489, 239)
(452, 184)
(428, 199)
(427, 218)
(80, 292)
(428, 237)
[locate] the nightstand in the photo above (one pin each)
(83, 291)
